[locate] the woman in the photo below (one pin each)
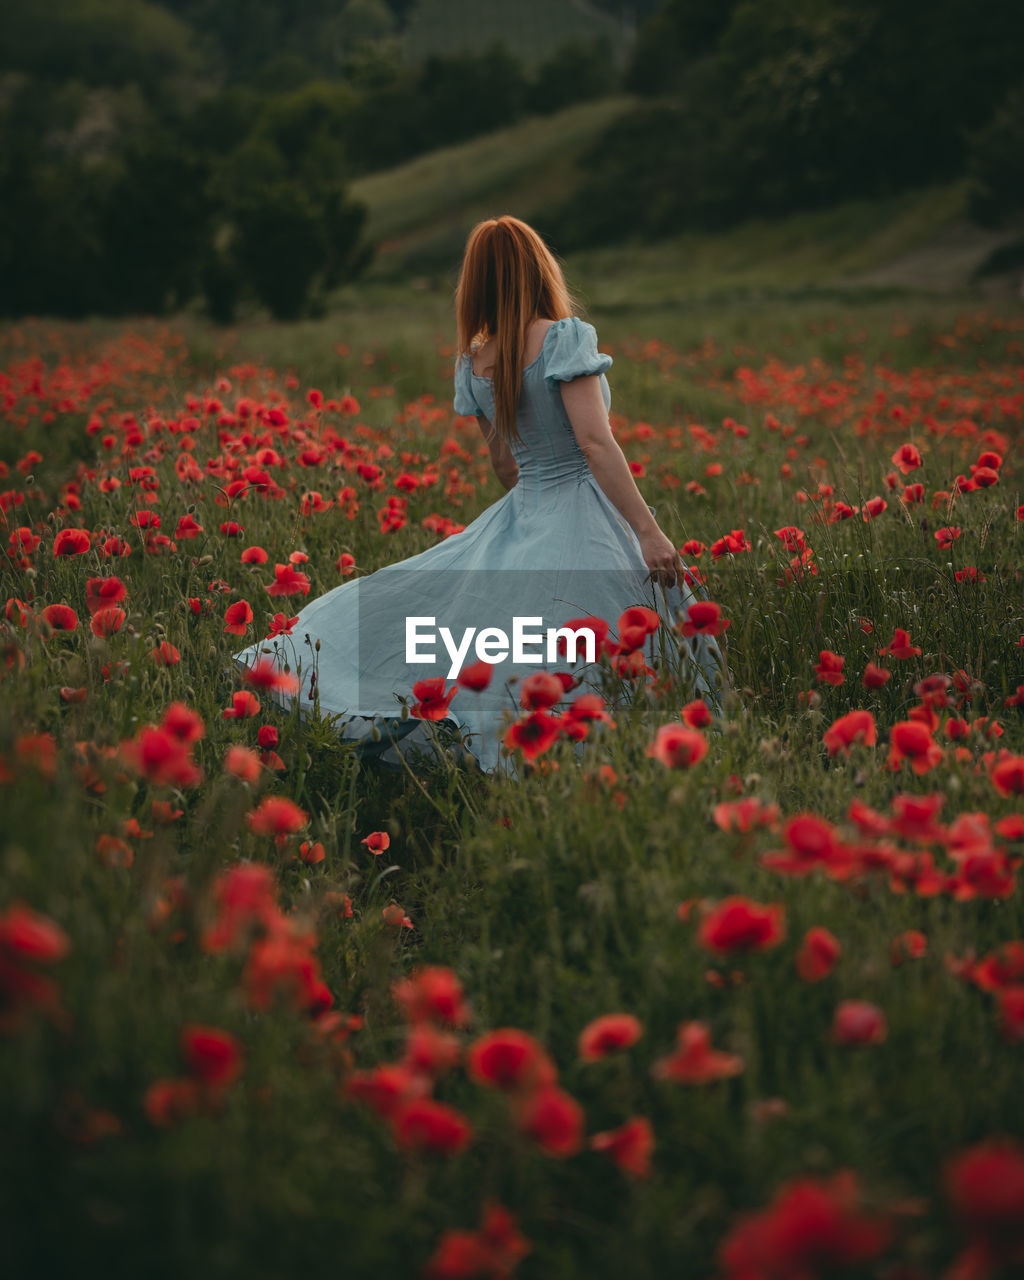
(571, 539)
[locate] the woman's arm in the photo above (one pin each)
(584, 404)
(505, 466)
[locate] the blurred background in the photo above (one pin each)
(232, 158)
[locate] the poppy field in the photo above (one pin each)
(736, 996)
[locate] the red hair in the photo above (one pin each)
(509, 277)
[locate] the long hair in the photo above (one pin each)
(509, 277)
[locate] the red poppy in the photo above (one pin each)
(858, 1022)
(165, 654)
(630, 1146)
(243, 763)
(1007, 775)
(511, 1060)
(254, 555)
(477, 676)
(345, 564)
(635, 625)
(830, 667)
(811, 1228)
(533, 734)
(704, 618)
(100, 593)
(873, 507)
(107, 621)
(740, 924)
(697, 715)
(237, 617)
(425, 1125)
(607, 1034)
(377, 842)
(874, 677)
(554, 1120)
(214, 1056)
(288, 581)
(856, 726)
(243, 705)
(491, 1253)
(60, 617)
(312, 853)
(432, 993)
(187, 527)
(907, 458)
(275, 816)
(818, 954)
(266, 674)
(678, 747)
(985, 1184)
(899, 646)
(432, 700)
(911, 740)
(693, 1061)
(541, 690)
(71, 542)
(156, 754)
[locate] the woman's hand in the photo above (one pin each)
(660, 556)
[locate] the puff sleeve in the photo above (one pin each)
(465, 402)
(571, 351)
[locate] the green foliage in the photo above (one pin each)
(996, 173)
(778, 106)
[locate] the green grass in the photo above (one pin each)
(421, 212)
(553, 899)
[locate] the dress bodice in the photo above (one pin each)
(547, 453)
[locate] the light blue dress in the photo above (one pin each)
(554, 548)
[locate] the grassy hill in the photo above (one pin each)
(530, 29)
(420, 213)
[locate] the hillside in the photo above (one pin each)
(420, 213)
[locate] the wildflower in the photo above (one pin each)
(432, 700)
(608, 1033)
(899, 646)
(533, 734)
(491, 1252)
(107, 621)
(509, 1059)
(678, 747)
(911, 740)
(377, 842)
(693, 1061)
(856, 726)
(275, 816)
(214, 1057)
(71, 542)
(703, 618)
(288, 581)
(60, 617)
(830, 667)
(858, 1022)
(101, 593)
(243, 763)
(740, 924)
(817, 955)
(811, 1227)
(424, 1124)
(630, 1146)
(554, 1120)
(265, 674)
(541, 690)
(237, 617)
(243, 705)
(432, 993)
